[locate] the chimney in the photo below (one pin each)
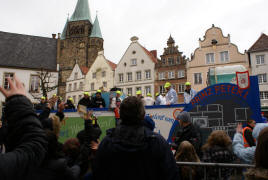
(54, 36)
(154, 53)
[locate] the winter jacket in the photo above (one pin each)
(248, 136)
(97, 102)
(188, 95)
(149, 101)
(247, 154)
(26, 140)
(129, 152)
(217, 154)
(189, 133)
(172, 96)
(256, 174)
(69, 105)
(160, 100)
(85, 102)
(41, 106)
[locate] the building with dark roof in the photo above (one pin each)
(258, 58)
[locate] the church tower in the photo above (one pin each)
(80, 42)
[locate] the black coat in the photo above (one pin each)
(189, 133)
(134, 153)
(26, 140)
(97, 102)
(85, 102)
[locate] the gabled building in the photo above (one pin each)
(80, 42)
(75, 83)
(171, 68)
(27, 56)
(135, 70)
(100, 75)
(258, 59)
(215, 50)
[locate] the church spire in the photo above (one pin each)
(81, 11)
(63, 34)
(96, 31)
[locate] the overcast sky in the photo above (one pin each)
(151, 20)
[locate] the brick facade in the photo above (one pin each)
(172, 60)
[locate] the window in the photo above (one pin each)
(76, 75)
(181, 88)
(133, 62)
(93, 75)
(129, 76)
(138, 75)
(161, 89)
(161, 75)
(147, 90)
(263, 94)
(6, 75)
(171, 75)
(197, 78)
(92, 86)
(178, 60)
(170, 61)
(81, 86)
(138, 88)
(35, 82)
(121, 77)
(224, 56)
(70, 88)
(148, 74)
(74, 98)
(75, 86)
(163, 61)
(104, 84)
(210, 58)
(181, 74)
(260, 59)
(262, 78)
(129, 91)
(103, 73)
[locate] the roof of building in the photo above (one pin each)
(261, 44)
(113, 65)
(154, 59)
(63, 34)
(25, 51)
(170, 40)
(84, 69)
(81, 11)
(96, 31)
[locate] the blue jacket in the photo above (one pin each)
(246, 154)
(171, 96)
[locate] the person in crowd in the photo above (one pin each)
(188, 132)
(186, 153)
(85, 101)
(189, 93)
(157, 99)
(71, 150)
(98, 101)
(218, 149)
(42, 104)
(26, 142)
(148, 100)
(115, 105)
(246, 154)
(260, 171)
(134, 151)
(70, 104)
(139, 94)
(171, 96)
(249, 141)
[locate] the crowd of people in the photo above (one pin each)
(30, 147)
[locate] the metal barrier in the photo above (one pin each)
(218, 166)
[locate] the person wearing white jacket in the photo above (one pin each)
(189, 93)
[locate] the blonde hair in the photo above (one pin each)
(218, 138)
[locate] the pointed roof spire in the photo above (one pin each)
(81, 11)
(63, 34)
(96, 31)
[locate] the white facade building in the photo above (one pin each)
(100, 75)
(75, 83)
(258, 55)
(135, 71)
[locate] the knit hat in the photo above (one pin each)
(184, 117)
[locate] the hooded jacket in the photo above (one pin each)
(247, 154)
(129, 152)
